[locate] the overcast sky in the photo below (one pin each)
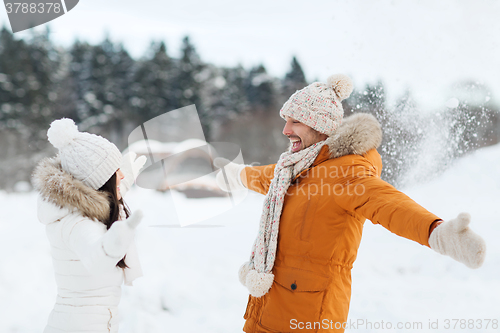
(425, 45)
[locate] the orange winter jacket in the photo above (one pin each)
(320, 230)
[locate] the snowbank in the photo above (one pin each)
(191, 284)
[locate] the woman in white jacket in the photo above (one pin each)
(89, 228)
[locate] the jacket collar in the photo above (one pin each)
(358, 134)
(61, 189)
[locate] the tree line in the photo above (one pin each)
(107, 91)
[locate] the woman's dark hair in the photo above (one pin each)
(114, 208)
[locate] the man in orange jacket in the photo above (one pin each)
(318, 196)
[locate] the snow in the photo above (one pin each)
(145, 146)
(452, 103)
(190, 281)
(156, 147)
(189, 144)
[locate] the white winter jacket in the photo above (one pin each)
(88, 280)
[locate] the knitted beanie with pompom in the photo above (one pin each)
(87, 157)
(319, 105)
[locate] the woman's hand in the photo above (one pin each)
(131, 166)
(117, 239)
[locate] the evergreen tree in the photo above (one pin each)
(28, 70)
(80, 77)
(294, 80)
(117, 92)
(260, 90)
(190, 77)
(151, 93)
(13, 54)
(102, 76)
(27, 75)
(224, 93)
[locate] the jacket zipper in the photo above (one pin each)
(304, 221)
(110, 318)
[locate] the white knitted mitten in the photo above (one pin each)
(455, 239)
(229, 179)
(130, 167)
(117, 239)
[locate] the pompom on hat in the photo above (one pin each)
(319, 105)
(87, 157)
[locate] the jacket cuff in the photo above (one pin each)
(434, 225)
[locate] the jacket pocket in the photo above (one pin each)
(295, 299)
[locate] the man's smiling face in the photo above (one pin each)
(301, 136)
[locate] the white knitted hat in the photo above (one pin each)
(319, 105)
(87, 157)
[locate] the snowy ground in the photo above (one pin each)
(191, 285)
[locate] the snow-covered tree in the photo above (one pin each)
(294, 80)
(152, 87)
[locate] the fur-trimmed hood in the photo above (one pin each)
(61, 189)
(358, 134)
